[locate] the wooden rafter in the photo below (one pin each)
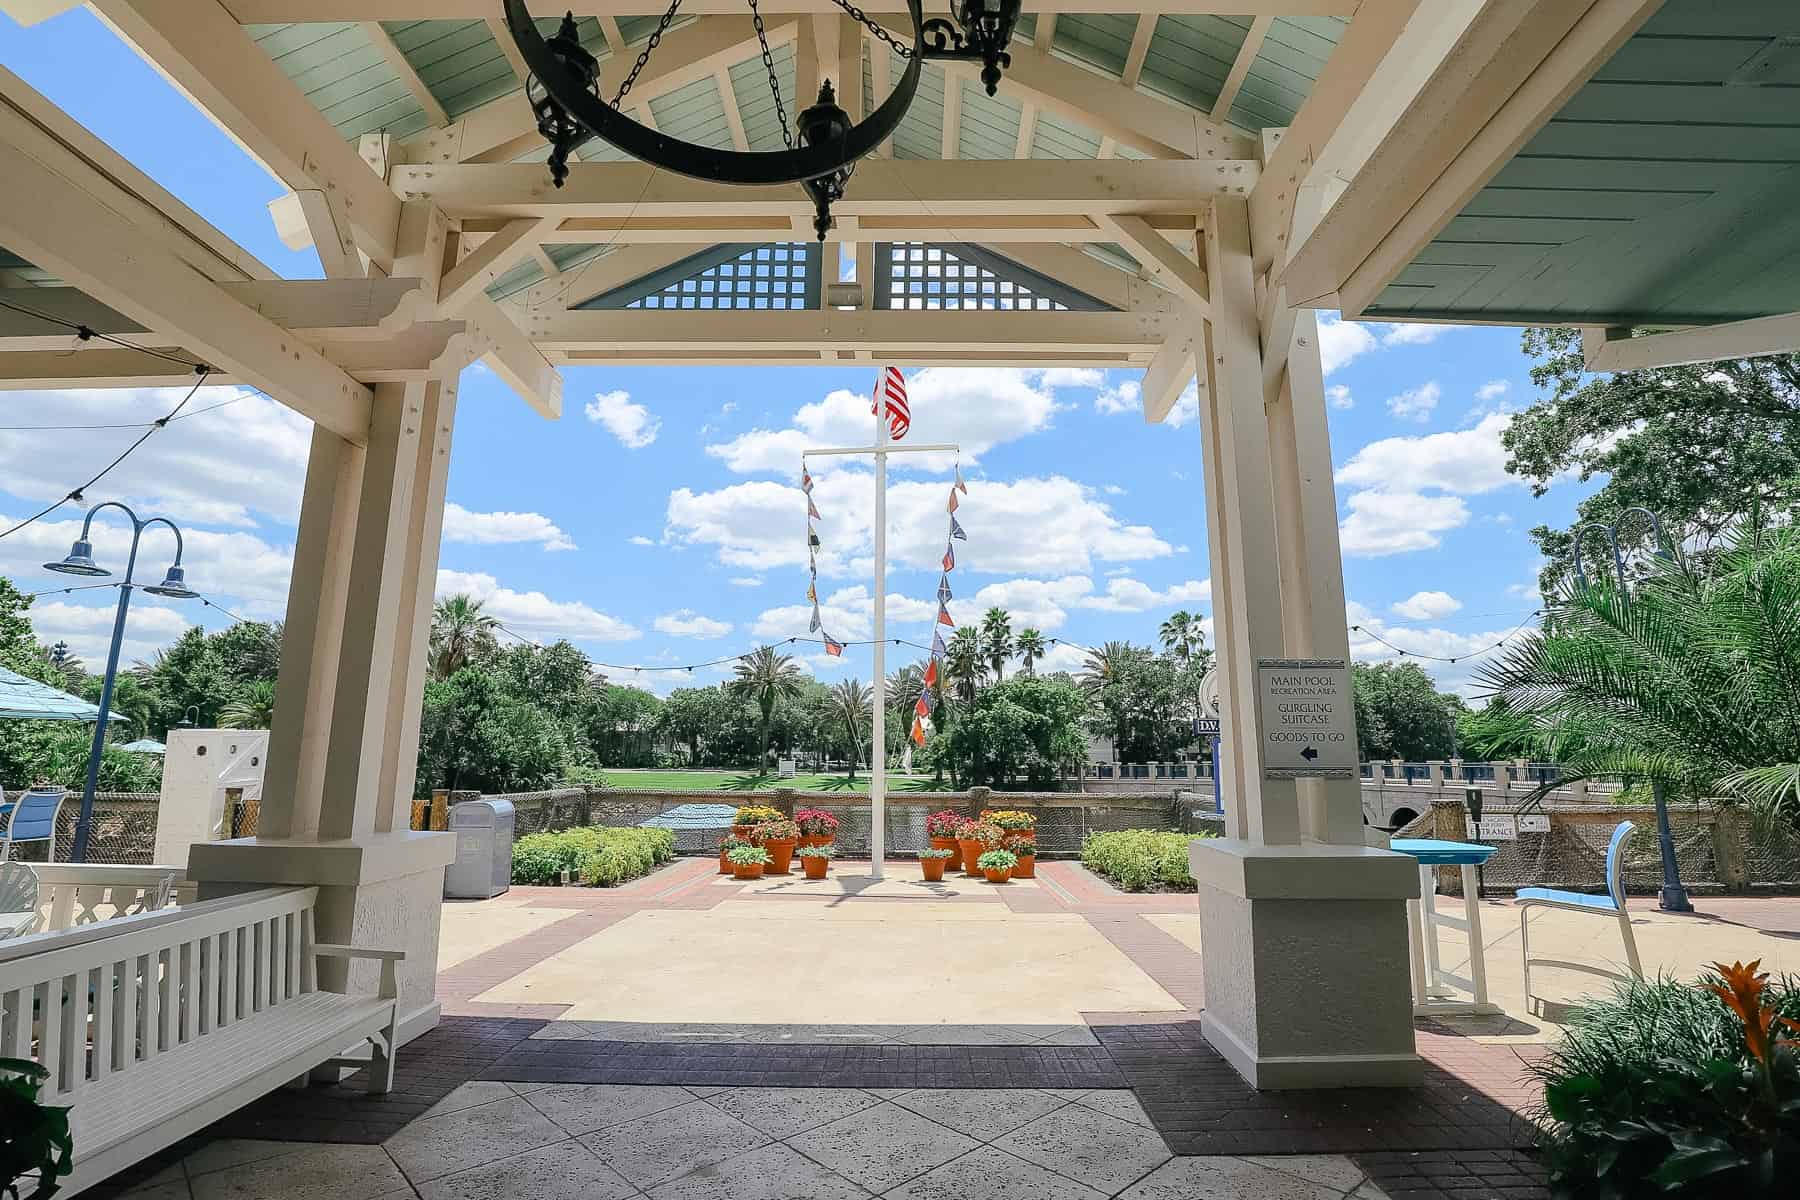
(1240, 66)
(385, 45)
(1028, 119)
(515, 60)
(1139, 50)
(734, 117)
(951, 141)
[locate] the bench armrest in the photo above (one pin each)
(390, 982)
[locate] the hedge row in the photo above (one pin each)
(595, 856)
(1137, 859)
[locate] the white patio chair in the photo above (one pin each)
(1612, 905)
(18, 899)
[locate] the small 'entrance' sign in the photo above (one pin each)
(1308, 718)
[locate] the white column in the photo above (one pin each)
(878, 755)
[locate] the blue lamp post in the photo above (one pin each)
(1674, 896)
(80, 561)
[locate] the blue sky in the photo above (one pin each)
(659, 522)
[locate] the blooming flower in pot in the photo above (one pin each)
(778, 837)
(943, 827)
(730, 843)
(751, 815)
(1013, 821)
(748, 862)
(1024, 847)
(997, 865)
(817, 827)
(932, 863)
(816, 860)
(971, 840)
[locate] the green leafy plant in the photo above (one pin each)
(34, 1137)
(779, 830)
(998, 860)
(816, 852)
(1138, 859)
(731, 843)
(745, 856)
(930, 853)
(1661, 1090)
(597, 856)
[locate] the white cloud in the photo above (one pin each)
(1419, 334)
(976, 407)
(746, 581)
(1338, 396)
(1421, 646)
(1123, 397)
(1427, 606)
(1383, 523)
(631, 423)
(1416, 404)
(1027, 525)
(500, 528)
(1070, 377)
(1493, 389)
(1133, 595)
(638, 539)
(685, 622)
(88, 627)
(196, 469)
(1467, 462)
(1342, 342)
(533, 614)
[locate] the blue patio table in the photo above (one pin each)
(1433, 993)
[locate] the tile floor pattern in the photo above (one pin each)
(526, 1141)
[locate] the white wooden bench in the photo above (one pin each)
(154, 1026)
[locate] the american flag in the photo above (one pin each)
(892, 386)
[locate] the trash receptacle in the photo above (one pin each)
(484, 845)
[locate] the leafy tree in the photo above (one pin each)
(473, 735)
(19, 649)
(619, 723)
(851, 703)
(1030, 648)
(1024, 726)
(460, 631)
(687, 715)
(996, 631)
(768, 678)
(252, 708)
(1699, 445)
(248, 651)
(184, 675)
(1401, 714)
(966, 663)
(1691, 679)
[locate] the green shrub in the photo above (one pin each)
(1136, 859)
(598, 857)
(1655, 1091)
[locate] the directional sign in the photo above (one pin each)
(1206, 727)
(1498, 827)
(1534, 823)
(1308, 726)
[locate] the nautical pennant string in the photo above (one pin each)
(927, 696)
(812, 560)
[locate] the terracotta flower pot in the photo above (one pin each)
(946, 843)
(971, 850)
(781, 855)
(724, 863)
(934, 867)
(814, 839)
(814, 866)
(747, 870)
(997, 874)
(1027, 868)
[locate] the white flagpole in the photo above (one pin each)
(878, 752)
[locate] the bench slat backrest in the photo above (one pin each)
(91, 1003)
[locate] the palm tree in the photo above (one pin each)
(853, 703)
(1691, 680)
(459, 631)
(1030, 647)
(768, 678)
(1107, 665)
(903, 688)
(1181, 634)
(253, 708)
(996, 631)
(965, 663)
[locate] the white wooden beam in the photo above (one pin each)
(1043, 37)
(609, 27)
(1108, 148)
(881, 84)
(260, 11)
(1028, 117)
(734, 118)
(503, 129)
(1085, 273)
(619, 266)
(919, 191)
(210, 57)
(49, 370)
(1166, 264)
(50, 220)
(1139, 49)
(498, 31)
(848, 62)
(1616, 350)
(950, 143)
(1168, 375)
(487, 262)
(1240, 66)
(389, 51)
(1484, 147)
(509, 351)
(331, 237)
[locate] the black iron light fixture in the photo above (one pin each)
(565, 97)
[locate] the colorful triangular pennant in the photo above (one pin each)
(833, 647)
(949, 557)
(956, 531)
(943, 617)
(959, 485)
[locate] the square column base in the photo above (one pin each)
(1306, 965)
(381, 890)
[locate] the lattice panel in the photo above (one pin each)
(775, 276)
(921, 275)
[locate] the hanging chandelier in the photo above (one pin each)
(820, 154)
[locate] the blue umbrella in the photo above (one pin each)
(24, 698)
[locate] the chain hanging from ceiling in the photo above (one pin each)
(820, 152)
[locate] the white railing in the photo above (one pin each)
(71, 895)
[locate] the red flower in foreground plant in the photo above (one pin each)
(1742, 990)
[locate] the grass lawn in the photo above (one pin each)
(738, 781)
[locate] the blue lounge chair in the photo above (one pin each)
(1610, 905)
(30, 818)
